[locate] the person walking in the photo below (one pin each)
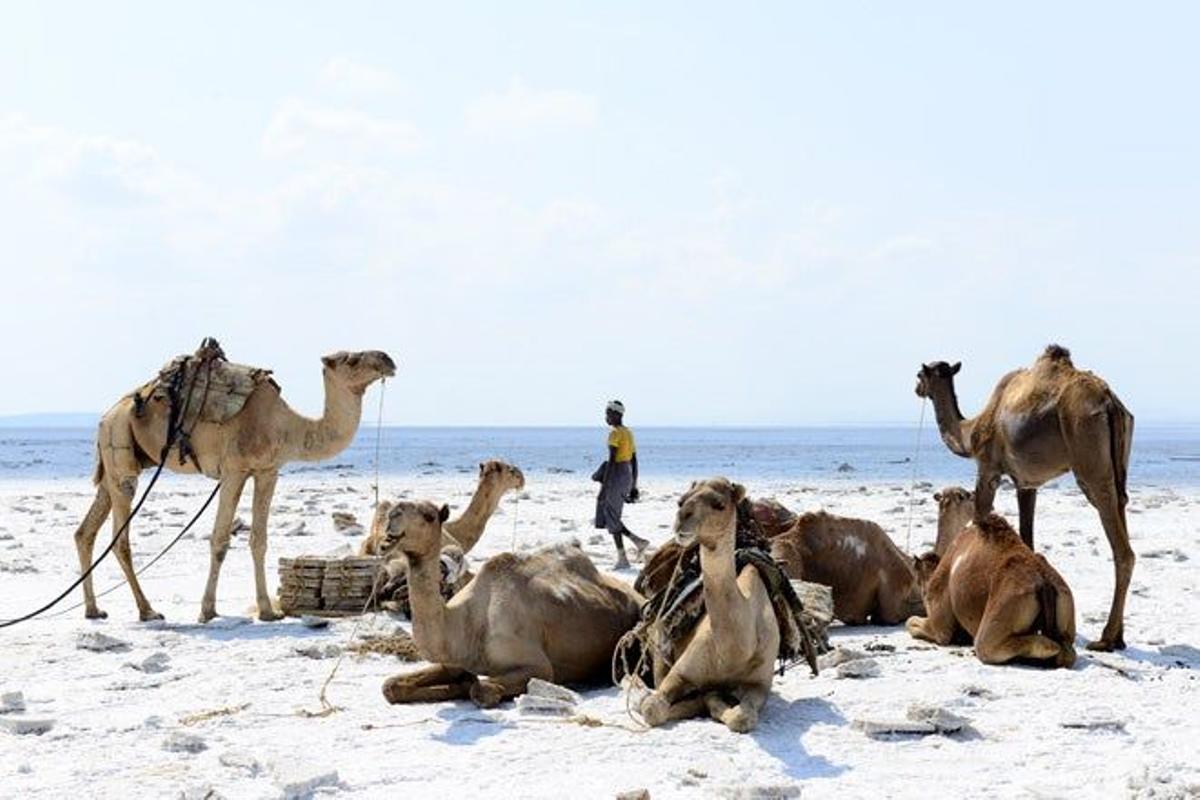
(618, 483)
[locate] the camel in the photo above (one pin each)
(496, 478)
(550, 615)
(956, 507)
(1038, 424)
(998, 591)
(265, 434)
(870, 578)
(730, 654)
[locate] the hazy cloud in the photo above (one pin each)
(521, 108)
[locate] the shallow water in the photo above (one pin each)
(1162, 454)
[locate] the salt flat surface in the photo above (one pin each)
(181, 709)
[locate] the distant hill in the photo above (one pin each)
(62, 420)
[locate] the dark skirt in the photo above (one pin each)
(618, 480)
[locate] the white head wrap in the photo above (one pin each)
(617, 406)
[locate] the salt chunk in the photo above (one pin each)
(25, 725)
(295, 784)
(858, 668)
(12, 701)
(100, 643)
(180, 742)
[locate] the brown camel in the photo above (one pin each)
(496, 478)
(265, 434)
(1007, 598)
(1039, 423)
(870, 578)
(956, 507)
(548, 615)
(726, 664)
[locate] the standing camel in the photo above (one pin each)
(1038, 424)
(256, 441)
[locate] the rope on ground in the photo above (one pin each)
(912, 488)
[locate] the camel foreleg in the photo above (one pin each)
(489, 691)
(742, 717)
(264, 490)
(434, 684)
(231, 492)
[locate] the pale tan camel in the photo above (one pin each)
(956, 508)
(991, 586)
(1038, 424)
(871, 579)
(549, 615)
(730, 654)
(496, 478)
(256, 442)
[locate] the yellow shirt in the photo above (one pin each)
(622, 439)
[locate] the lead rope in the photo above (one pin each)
(327, 707)
(912, 488)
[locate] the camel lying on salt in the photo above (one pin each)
(991, 586)
(550, 615)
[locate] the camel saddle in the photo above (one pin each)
(678, 606)
(205, 386)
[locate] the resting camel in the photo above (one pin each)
(496, 478)
(1039, 423)
(956, 507)
(548, 615)
(726, 664)
(1007, 598)
(265, 434)
(870, 578)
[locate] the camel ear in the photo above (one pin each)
(937, 497)
(443, 513)
(739, 493)
(957, 366)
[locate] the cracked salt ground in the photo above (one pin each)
(92, 718)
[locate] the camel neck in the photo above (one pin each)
(428, 607)
(954, 428)
(467, 528)
(318, 439)
(722, 597)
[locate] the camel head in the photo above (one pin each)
(956, 509)
(708, 512)
(414, 528)
(933, 374)
(504, 475)
(359, 370)
(924, 566)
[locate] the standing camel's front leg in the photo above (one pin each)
(1026, 501)
(264, 490)
(231, 492)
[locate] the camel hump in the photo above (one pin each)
(1056, 352)
(212, 389)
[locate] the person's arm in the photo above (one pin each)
(633, 490)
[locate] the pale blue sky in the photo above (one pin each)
(767, 214)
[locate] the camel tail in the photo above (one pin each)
(1120, 434)
(98, 470)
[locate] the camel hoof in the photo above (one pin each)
(393, 689)
(208, 616)
(269, 616)
(486, 694)
(1107, 645)
(95, 613)
(150, 616)
(655, 710)
(741, 721)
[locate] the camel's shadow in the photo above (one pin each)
(468, 725)
(783, 725)
(226, 629)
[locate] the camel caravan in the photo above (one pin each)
(716, 613)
